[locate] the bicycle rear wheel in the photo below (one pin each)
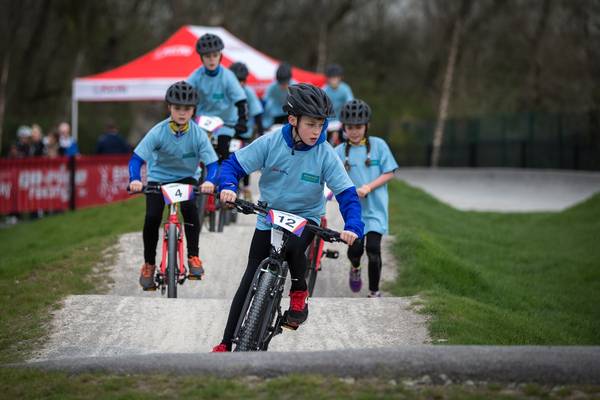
(172, 263)
(311, 268)
(253, 320)
(201, 203)
(222, 218)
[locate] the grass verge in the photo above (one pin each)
(495, 278)
(44, 261)
(31, 384)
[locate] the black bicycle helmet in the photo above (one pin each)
(182, 93)
(307, 99)
(240, 70)
(284, 73)
(209, 43)
(355, 112)
(334, 70)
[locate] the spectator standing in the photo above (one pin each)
(111, 142)
(67, 143)
(23, 141)
(37, 141)
(53, 149)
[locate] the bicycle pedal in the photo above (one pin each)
(195, 277)
(290, 327)
(332, 254)
(285, 324)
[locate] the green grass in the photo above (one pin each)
(31, 384)
(491, 278)
(44, 261)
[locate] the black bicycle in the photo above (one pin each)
(261, 318)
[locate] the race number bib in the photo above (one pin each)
(290, 222)
(177, 192)
(210, 124)
(235, 145)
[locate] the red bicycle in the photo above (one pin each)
(314, 254)
(172, 269)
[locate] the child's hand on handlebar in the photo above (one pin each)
(348, 237)
(207, 187)
(135, 186)
(227, 196)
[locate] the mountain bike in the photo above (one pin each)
(211, 207)
(261, 318)
(172, 269)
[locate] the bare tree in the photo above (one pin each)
(455, 43)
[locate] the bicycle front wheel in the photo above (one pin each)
(172, 263)
(253, 321)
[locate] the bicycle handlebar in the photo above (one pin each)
(155, 189)
(246, 207)
(328, 235)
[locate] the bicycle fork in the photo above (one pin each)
(173, 220)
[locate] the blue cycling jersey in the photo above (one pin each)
(375, 205)
(293, 177)
(218, 92)
(171, 157)
(339, 96)
(254, 108)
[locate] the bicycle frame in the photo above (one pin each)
(172, 220)
(261, 318)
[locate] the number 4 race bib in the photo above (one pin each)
(290, 222)
(177, 192)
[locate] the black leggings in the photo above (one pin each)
(373, 245)
(259, 250)
(155, 205)
(223, 147)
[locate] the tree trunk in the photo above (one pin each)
(3, 92)
(438, 135)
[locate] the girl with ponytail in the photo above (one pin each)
(370, 165)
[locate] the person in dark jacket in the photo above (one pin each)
(111, 142)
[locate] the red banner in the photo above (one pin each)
(40, 183)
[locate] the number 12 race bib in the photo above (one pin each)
(290, 222)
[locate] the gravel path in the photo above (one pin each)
(128, 321)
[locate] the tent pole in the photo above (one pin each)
(74, 115)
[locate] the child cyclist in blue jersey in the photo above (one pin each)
(255, 111)
(220, 92)
(275, 96)
(371, 165)
(295, 161)
(255, 108)
(340, 93)
(172, 150)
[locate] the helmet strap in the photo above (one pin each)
(296, 136)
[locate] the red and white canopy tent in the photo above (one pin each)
(148, 77)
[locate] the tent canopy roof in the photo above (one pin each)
(148, 76)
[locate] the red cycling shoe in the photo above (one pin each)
(220, 348)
